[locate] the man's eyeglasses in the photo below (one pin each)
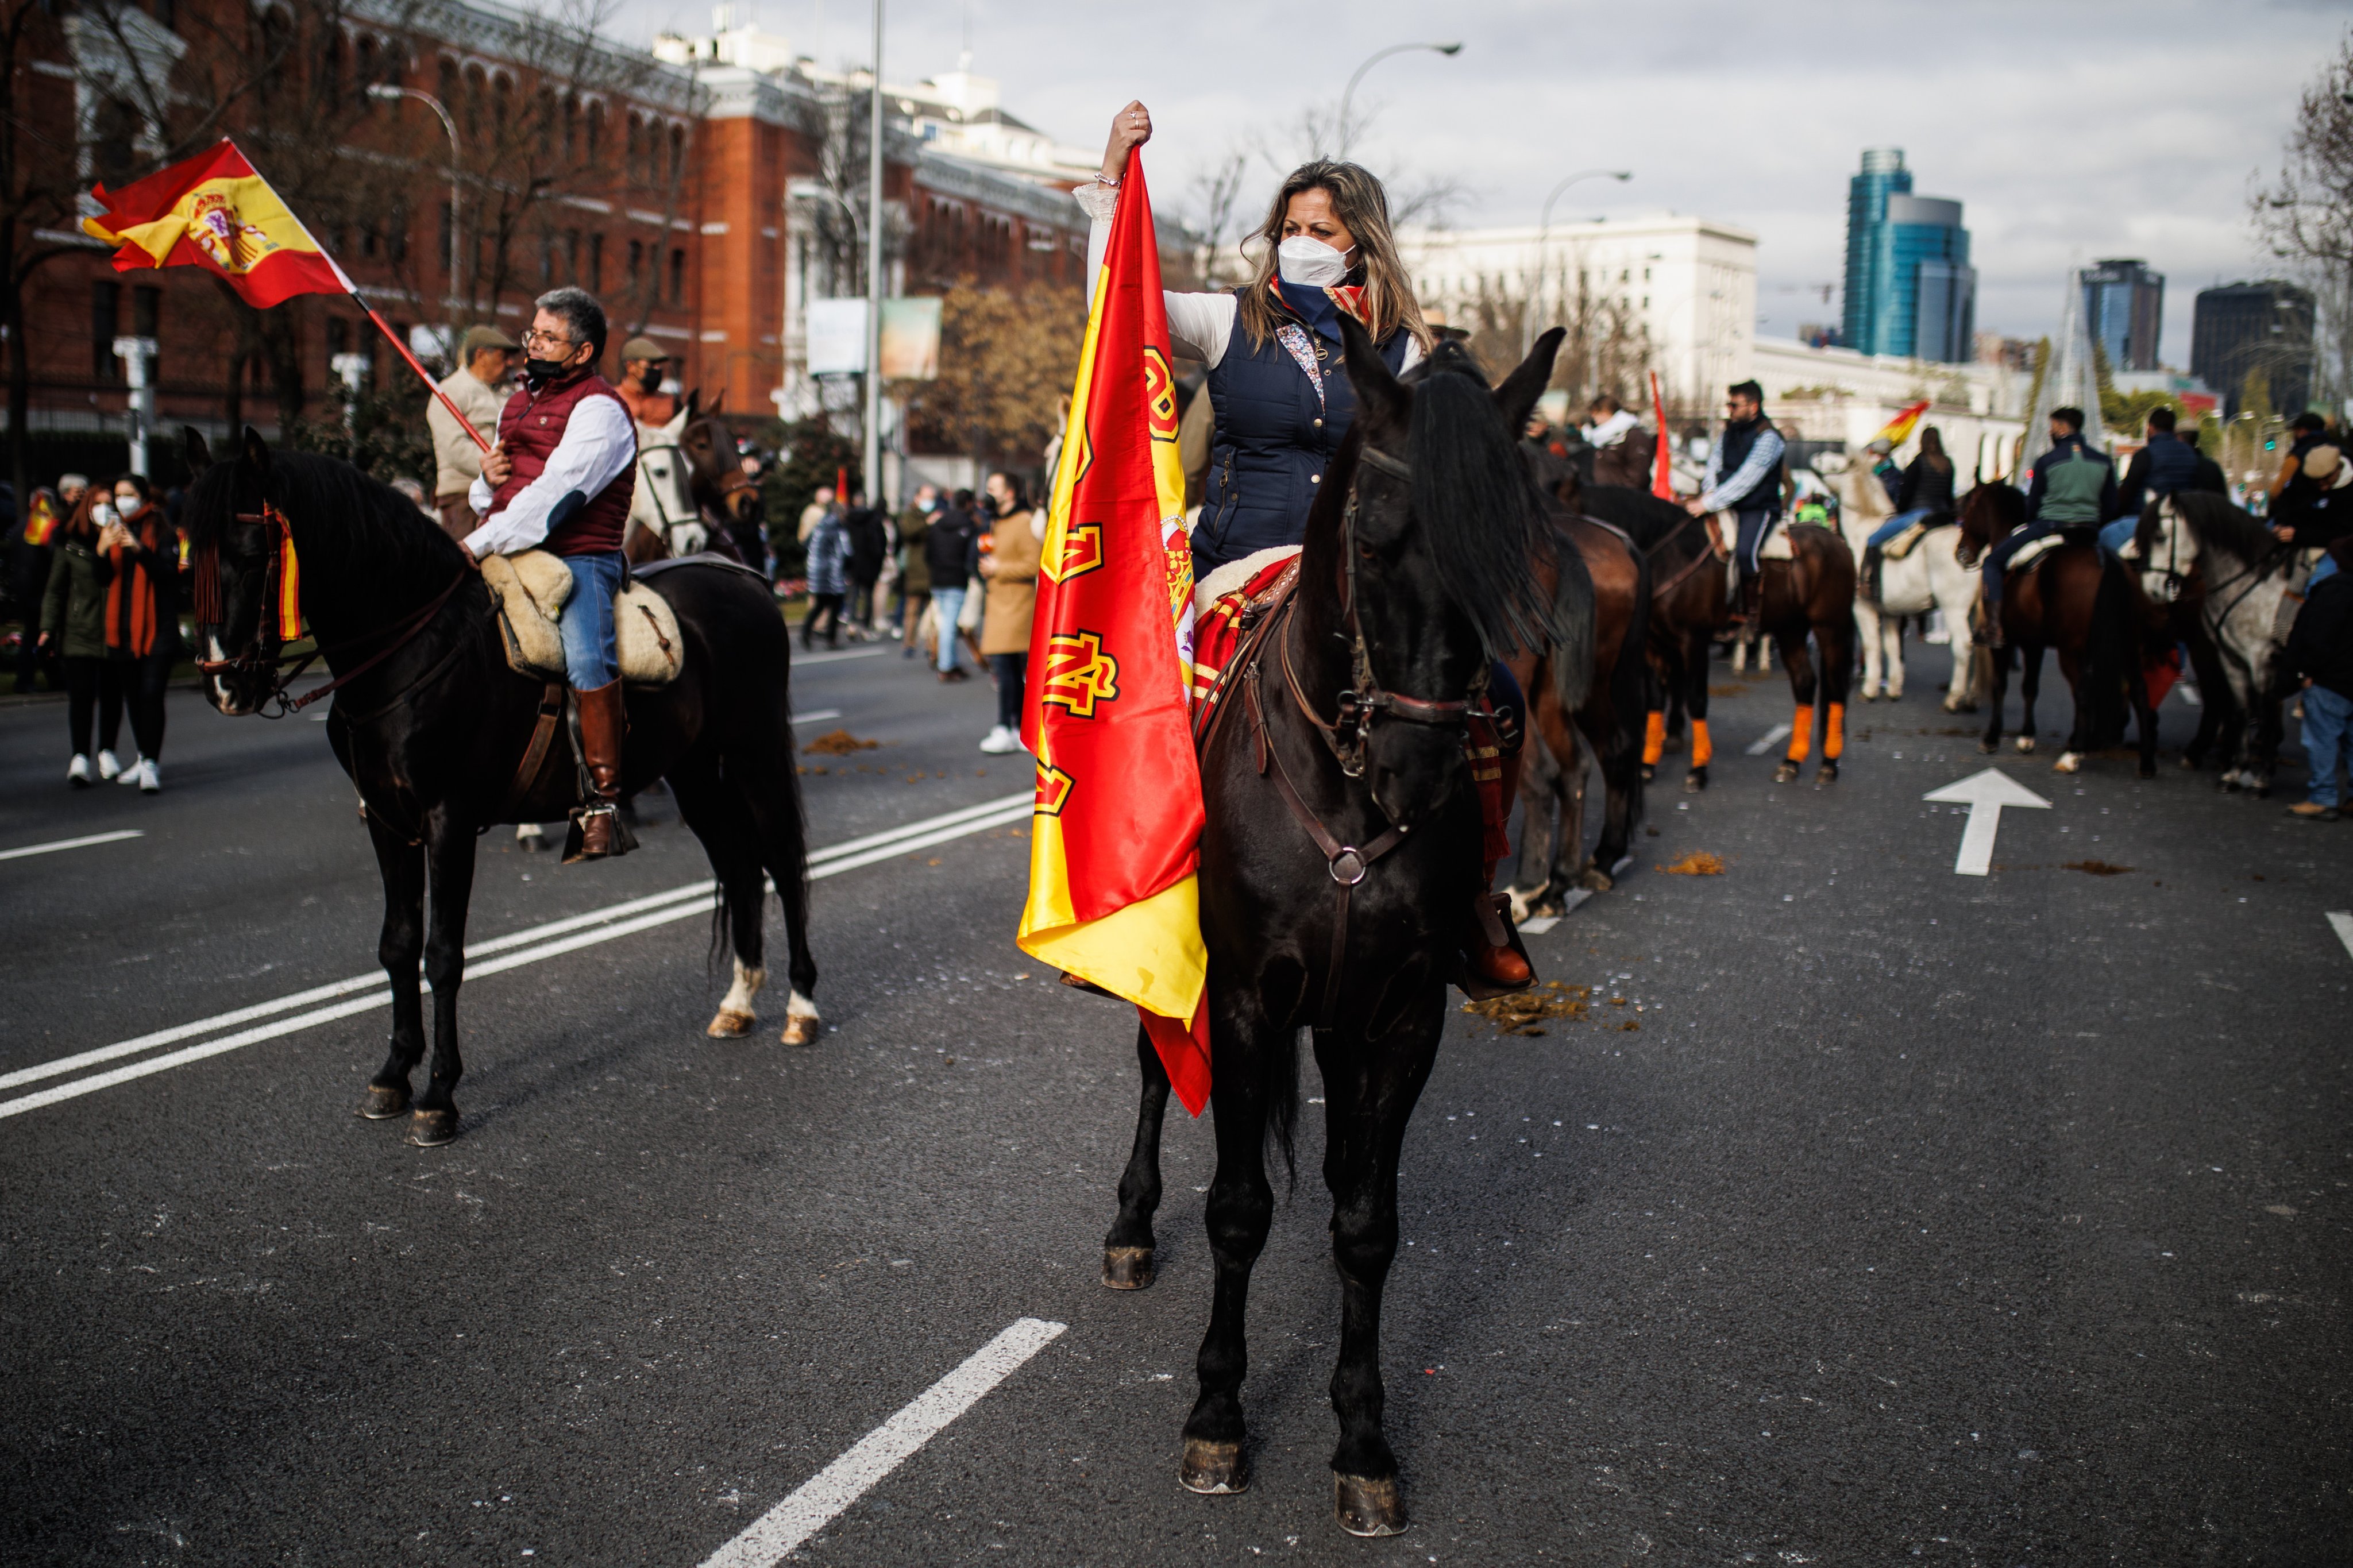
(536, 338)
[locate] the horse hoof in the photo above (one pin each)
(1694, 780)
(1785, 772)
(1367, 1507)
(2068, 762)
(2148, 771)
(383, 1103)
(1990, 747)
(1524, 903)
(730, 1025)
(1594, 879)
(800, 1029)
(432, 1129)
(2025, 744)
(1213, 1469)
(1826, 774)
(1649, 772)
(1127, 1268)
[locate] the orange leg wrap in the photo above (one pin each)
(1654, 737)
(1702, 744)
(1802, 733)
(1834, 733)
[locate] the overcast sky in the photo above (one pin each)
(2070, 130)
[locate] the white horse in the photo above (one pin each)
(1929, 577)
(663, 502)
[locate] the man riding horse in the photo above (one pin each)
(560, 480)
(1744, 478)
(2073, 486)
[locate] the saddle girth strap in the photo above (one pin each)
(542, 738)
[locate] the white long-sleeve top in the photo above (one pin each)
(1199, 325)
(600, 442)
(1716, 495)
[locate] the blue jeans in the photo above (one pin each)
(1895, 525)
(2118, 534)
(2327, 739)
(1753, 526)
(949, 602)
(590, 659)
(1998, 557)
(2322, 572)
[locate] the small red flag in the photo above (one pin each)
(1662, 470)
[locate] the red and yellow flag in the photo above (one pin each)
(41, 520)
(1898, 430)
(1662, 462)
(213, 211)
(1113, 856)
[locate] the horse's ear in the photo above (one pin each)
(199, 456)
(1379, 394)
(693, 405)
(717, 399)
(256, 454)
(1516, 398)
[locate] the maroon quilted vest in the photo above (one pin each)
(529, 429)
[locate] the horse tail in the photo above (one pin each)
(1572, 626)
(1277, 1090)
(2112, 654)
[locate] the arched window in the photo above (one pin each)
(571, 129)
(596, 135)
(677, 156)
(636, 149)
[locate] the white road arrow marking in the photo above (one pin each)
(1985, 794)
(2341, 920)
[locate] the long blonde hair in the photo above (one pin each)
(1360, 203)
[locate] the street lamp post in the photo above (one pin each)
(872, 454)
(1544, 224)
(1350, 92)
(386, 92)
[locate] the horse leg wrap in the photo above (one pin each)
(1702, 745)
(1834, 733)
(1654, 737)
(1802, 733)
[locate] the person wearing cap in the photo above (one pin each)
(480, 388)
(643, 362)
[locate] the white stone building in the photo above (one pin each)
(1837, 395)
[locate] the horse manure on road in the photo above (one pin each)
(1521, 1012)
(1696, 863)
(2096, 868)
(838, 743)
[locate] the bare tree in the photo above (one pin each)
(2306, 214)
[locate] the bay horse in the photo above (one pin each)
(1553, 858)
(1415, 576)
(1812, 594)
(435, 730)
(2080, 601)
(2220, 569)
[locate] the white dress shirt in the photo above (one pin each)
(1199, 325)
(600, 442)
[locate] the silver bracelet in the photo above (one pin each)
(1112, 184)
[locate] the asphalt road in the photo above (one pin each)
(1892, 1215)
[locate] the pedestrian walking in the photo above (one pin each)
(480, 388)
(828, 549)
(870, 542)
(1010, 569)
(2320, 651)
(143, 618)
(914, 565)
(73, 622)
(947, 553)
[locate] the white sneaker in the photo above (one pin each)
(78, 771)
(130, 773)
(150, 780)
(1000, 742)
(107, 766)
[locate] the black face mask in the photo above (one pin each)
(537, 373)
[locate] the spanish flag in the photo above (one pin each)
(1898, 430)
(41, 520)
(1113, 856)
(213, 211)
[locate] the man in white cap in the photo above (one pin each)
(480, 387)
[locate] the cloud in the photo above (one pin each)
(2069, 131)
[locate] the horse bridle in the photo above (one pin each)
(1366, 700)
(732, 478)
(654, 493)
(263, 652)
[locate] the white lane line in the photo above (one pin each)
(2343, 920)
(801, 659)
(814, 714)
(611, 924)
(1768, 739)
(783, 1528)
(80, 843)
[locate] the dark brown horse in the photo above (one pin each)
(1553, 859)
(1341, 859)
(718, 490)
(1813, 594)
(2078, 599)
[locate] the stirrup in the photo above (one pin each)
(619, 839)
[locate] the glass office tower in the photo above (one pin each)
(1910, 290)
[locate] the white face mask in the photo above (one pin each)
(1310, 263)
(130, 506)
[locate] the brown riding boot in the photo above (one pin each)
(1492, 957)
(603, 722)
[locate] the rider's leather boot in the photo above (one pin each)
(1493, 955)
(603, 722)
(1752, 593)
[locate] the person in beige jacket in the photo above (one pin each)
(479, 386)
(1009, 565)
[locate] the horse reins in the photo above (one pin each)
(262, 654)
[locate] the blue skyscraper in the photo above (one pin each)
(1910, 288)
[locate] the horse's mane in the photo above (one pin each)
(1649, 521)
(1471, 487)
(352, 521)
(2215, 521)
(2006, 501)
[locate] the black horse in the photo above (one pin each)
(1341, 859)
(435, 729)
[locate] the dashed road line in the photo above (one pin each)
(82, 843)
(1768, 739)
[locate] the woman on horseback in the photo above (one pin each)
(1279, 390)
